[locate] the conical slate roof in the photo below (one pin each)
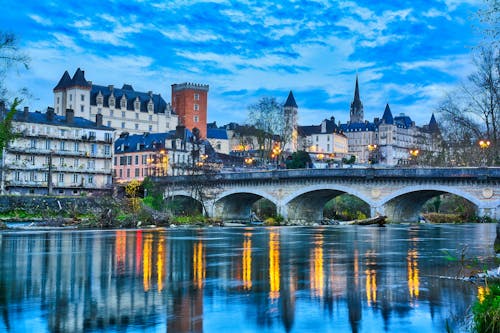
(79, 79)
(290, 101)
(64, 82)
(387, 117)
(433, 125)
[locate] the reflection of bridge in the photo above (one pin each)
(300, 195)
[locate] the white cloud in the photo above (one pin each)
(40, 20)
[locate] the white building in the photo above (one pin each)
(57, 155)
(323, 142)
(125, 109)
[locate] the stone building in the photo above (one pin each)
(290, 112)
(125, 109)
(323, 142)
(389, 140)
(60, 155)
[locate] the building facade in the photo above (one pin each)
(125, 109)
(190, 103)
(390, 140)
(137, 156)
(290, 112)
(323, 142)
(56, 155)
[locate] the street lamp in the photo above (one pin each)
(484, 144)
(276, 153)
(371, 149)
(414, 154)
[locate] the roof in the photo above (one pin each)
(290, 101)
(159, 104)
(403, 121)
(142, 142)
(78, 80)
(330, 127)
(217, 133)
(358, 127)
(387, 117)
(41, 118)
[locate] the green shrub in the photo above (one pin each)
(190, 219)
(443, 218)
(271, 221)
(487, 311)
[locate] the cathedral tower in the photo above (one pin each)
(356, 114)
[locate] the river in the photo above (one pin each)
(282, 279)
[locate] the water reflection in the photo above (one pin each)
(275, 280)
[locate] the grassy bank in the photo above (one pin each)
(486, 310)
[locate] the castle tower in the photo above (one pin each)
(73, 93)
(356, 113)
(190, 103)
(290, 111)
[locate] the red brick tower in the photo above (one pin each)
(190, 102)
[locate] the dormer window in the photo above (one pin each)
(111, 101)
(150, 106)
(99, 99)
(123, 102)
(137, 104)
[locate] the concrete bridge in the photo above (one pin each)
(300, 195)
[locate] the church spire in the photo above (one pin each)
(356, 113)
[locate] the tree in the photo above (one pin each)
(6, 131)
(10, 57)
(267, 116)
(473, 113)
(299, 160)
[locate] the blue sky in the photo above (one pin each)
(406, 53)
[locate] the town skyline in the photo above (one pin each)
(402, 54)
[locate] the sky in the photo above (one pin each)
(409, 54)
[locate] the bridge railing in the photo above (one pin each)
(484, 173)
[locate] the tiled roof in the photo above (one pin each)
(41, 118)
(358, 127)
(78, 80)
(387, 117)
(142, 142)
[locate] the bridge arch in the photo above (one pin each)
(187, 203)
(237, 204)
(306, 204)
(405, 205)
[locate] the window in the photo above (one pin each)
(136, 116)
(33, 143)
(123, 103)
(123, 114)
(128, 173)
(32, 176)
(75, 178)
(317, 138)
(111, 113)
(196, 107)
(82, 97)
(108, 137)
(63, 133)
(18, 176)
(57, 100)
(137, 105)
(99, 110)
(150, 117)
(150, 107)
(62, 145)
(129, 160)
(76, 163)
(137, 172)
(144, 159)
(93, 149)
(32, 160)
(70, 97)
(116, 160)
(77, 146)
(150, 128)
(107, 150)
(18, 157)
(90, 179)
(195, 119)
(61, 178)
(121, 173)
(123, 125)
(109, 123)
(136, 159)
(61, 161)
(196, 97)
(91, 165)
(47, 144)
(136, 126)
(45, 176)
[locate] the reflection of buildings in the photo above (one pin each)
(177, 279)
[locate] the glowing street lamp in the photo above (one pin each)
(371, 149)
(414, 154)
(484, 145)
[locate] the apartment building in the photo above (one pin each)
(57, 155)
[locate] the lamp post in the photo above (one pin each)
(484, 145)
(413, 155)
(371, 152)
(276, 153)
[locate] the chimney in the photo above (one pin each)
(26, 112)
(111, 87)
(180, 132)
(70, 116)
(98, 120)
(50, 114)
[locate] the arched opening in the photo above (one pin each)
(181, 205)
(449, 207)
(310, 207)
(238, 207)
(412, 206)
(346, 207)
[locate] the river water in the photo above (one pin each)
(288, 279)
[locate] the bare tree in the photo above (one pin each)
(10, 58)
(267, 116)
